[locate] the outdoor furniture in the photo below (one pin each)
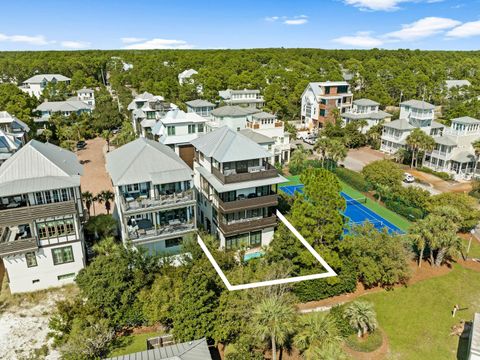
(174, 222)
(129, 199)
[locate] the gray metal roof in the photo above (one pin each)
(379, 115)
(257, 137)
(467, 120)
(226, 145)
(436, 125)
(38, 166)
(60, 106)
(445, 140)
(418, 104)
(400, 124)
(263, 115)
(227, 94)
(464, 157)
(457, 83)
(144, 160)
(365, 102)
(199, 103)
(85, 90)
(6, 118)
(193, 350)
(233, 110)
(36, 79)
(316, 86)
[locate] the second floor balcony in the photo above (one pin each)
(144, 201)
(16, 240)
(145, 229)
(22, 212)
(247, 202)
(235, 227)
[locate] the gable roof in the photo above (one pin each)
(37, 79)
(59, 106)
(400, 124)
(365, 102)
(85, 90)
(263, 115)
(177, 116)
(456, 83)
(316, 86)
(257, 137)
(418, 104)
(144, 160)
(39, 166)
(225, 145)
(6, 118)
(199, 103)
(233, 110)
(193, 350)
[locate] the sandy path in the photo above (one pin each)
(95, 177)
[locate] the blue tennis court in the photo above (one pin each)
(355, 212)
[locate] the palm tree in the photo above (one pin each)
(362, 317)
(362, 123)
(476, 149)
(318, 333)
(107, 135)
(418, 140)
(321, 146)
(87, 197)
(274, 319)
(337, 150)
(105, 196)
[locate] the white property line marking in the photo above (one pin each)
(317, 256)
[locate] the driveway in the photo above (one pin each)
(358, 158)
(95, 177)
(441, 185)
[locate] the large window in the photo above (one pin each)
(253, 239)
(31, 259)
(200, 127)
(191, 129)
(170, 130)
(55, 228)
(62, 255)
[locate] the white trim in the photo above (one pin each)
(330, 272)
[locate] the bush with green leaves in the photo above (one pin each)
(353, 178)
(442, 175)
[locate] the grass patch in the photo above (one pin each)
(133, 343)
(369, 344)
(474, 248)
(417, 319)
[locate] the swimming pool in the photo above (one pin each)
(253, 255)
(355, 212)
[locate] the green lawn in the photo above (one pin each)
(417, 319)
(394, 218)
(134, 343)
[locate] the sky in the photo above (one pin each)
(212, 24)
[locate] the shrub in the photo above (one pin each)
(408, 212)
(369, 344)
(343, 326)
(442, 175)
(353, 178)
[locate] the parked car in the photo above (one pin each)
(408, 178)
(81, 145)
(310, 139)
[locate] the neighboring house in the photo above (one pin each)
(244, 98)
(154, 197)
(454, 153)
(36, 84)
(413, 114)
(474, 339)
(14, 127)
(200, 107)
(41, 214)
(263, 123)
(146, 110)
(452, 84)
(233, 116)
(65, 108)
(237, 189)
(186, 75)
(268, 125)
(368, 110)
(87, 96)
(177, 129)
(320, 98)
(192, 350)
(8, 146)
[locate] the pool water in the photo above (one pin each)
(253, 255)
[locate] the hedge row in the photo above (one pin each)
(442, 175)
(353, 178)
(410, 213)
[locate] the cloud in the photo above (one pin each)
(130, 40)
(359, 40)
(465, 30)
(160, 44)
(38, 40)
(295, 20)
(422, 28)
(69, 44)
(376, 5)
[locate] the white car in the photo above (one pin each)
(408, 178)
